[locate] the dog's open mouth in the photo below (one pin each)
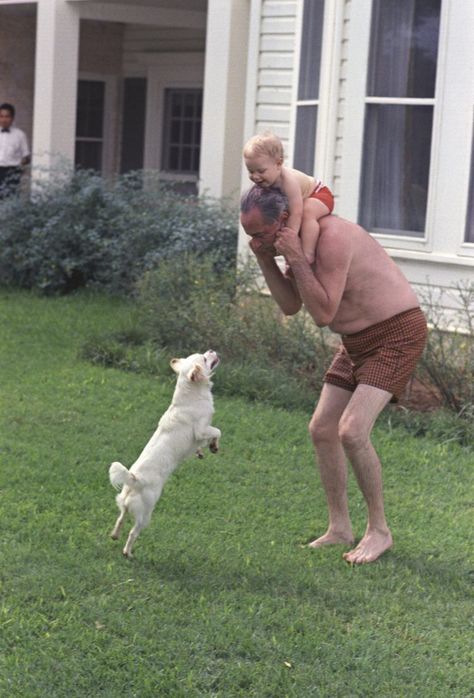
(215, 362)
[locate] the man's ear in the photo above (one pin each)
(196, 374)
(175, 363)
(284, 215)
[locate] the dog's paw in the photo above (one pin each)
(214, 446)
(126, 554)
(114, 535)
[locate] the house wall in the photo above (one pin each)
(17, 58)
(100, 53)
(275, 94)
(101, 47)
(276, 67)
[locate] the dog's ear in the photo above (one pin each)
(196, 374)
(175, 364)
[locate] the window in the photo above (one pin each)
(182, 131)
(90, 124)
(308, 86)
(469, 237)
(133, 124)
(399, 116)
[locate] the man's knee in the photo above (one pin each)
(322, 430)
(352, 432)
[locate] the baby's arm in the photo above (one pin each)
(292, 189)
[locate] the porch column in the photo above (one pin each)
(56, 66)
(224, 97)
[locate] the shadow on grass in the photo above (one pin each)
(325, 579)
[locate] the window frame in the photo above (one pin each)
(165, 71)
(447, 196)
(166, 129)
(110, 123)
(326, 124)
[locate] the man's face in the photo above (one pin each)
(260, 230)
(6, 118)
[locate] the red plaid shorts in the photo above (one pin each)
(383, 355)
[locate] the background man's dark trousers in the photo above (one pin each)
(9, 181)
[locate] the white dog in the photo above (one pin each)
(184, 428)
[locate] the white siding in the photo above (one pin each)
(275, 91)
(342, 86)
(276, 67)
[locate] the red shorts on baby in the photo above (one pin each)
(323, 194)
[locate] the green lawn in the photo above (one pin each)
(221, 599)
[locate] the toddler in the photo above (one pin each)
(308, 199)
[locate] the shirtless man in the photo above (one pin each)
(356, 290)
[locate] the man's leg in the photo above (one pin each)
(332, 463)
(355, 427)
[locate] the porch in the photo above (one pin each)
(120, 85)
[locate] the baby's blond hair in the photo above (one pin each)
(266, 143)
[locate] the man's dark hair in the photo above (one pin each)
(8, 107)
(271, 202)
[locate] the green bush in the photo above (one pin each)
(190, 305)
(81, 230)
(448, 360)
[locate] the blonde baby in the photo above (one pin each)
(308, 198)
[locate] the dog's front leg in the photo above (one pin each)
(210, 435)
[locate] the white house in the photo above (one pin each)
(374, 96)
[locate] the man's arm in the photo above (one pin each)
(283, 290)
(25, 151)
(320, 291)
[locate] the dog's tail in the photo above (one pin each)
(119, 475)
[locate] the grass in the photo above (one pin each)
(221, 599)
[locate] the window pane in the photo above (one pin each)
(89, 155)
(395, 168)
(182, 131)
(470, 208)
(404, 47)
(175, 131)
(310, 52)
(90, 108)
(305, 138)
(133, 124)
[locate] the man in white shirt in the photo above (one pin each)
(14, 152)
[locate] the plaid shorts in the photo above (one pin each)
(383, 355)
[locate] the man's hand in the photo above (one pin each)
(261, 247)
(288, 244)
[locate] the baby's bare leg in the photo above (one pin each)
(313, 210)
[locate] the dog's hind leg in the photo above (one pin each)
(118, 525)
(133, 535)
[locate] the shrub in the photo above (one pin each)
(448, 360)
(188, 304)
(81, 230)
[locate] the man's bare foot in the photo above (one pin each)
(332, 538)
(370, 548)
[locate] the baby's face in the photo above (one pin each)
(263, 170)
